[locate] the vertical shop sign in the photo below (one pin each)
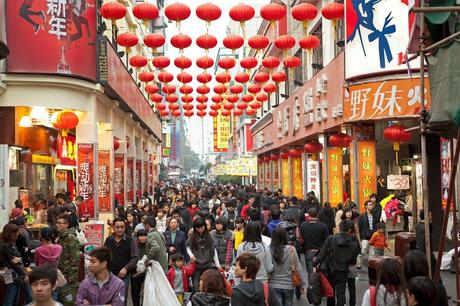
(138, 179)
(335, 174)
(367, 174)
(267, 174)
(145, 174)
(285, 177)
(297, 181)
(67, 149)
(276, 175)
(221, 132)
(446, 168)
(118, 179)
(104, 180)
(260, 169)
(313, 181)
(85, 178)
(130, 180)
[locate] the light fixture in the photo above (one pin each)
(25, 121)
(39, 113)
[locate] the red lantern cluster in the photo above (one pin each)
(145, 11)
(340, 140)
(313, 147)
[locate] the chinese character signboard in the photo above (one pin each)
(377, 36)
(367, 174)
(67, 150)
(221, 130)
(276, 175)
(130, 180)
(268, 174)
(385, 99)
(145, 175)
(313, 177)
(137, 179)
(445, 169)
(104, 180)
(285, 177)
(297, 181)
(335, 174)
(52, 36)
(118, 179)
(85, 178)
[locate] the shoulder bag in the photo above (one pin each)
(295, 275)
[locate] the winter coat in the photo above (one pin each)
(262, 252)
(69, 262)
(209, 299)
(341, 250)
(223, 243)
(252, 294)
(187, 272)
(156, 249)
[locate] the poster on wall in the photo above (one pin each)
(104, 181)
(137, 179)
(94, 233)
(130, 180)
(67, 150)
(297, 182)
(47, 36)
(118, 179)
(85, 178)
(446, 168)
(335, 176)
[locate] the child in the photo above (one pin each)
(178, 275)
(161, 221)
(378, 240)
(238, 233)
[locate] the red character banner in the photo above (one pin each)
(138, 179)
(52, 36)
(118, 179)
(104, 180)
(130, 180)
(67, 150)
(85, 178)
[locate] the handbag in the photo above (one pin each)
(324, 264)
(295, 275)
(314, 289)
(326, 287)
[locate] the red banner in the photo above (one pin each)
(85, 178)
(52, 37)
(138, 179)
(104, 180)
(129, 180)
(118, 179)
(67, 150)
(145, 174)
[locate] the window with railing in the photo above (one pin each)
(339, 37)
(317, 56)
(298, 71)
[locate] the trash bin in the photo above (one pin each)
(404, 241)
(373, 265)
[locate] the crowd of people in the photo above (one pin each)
(217, 245)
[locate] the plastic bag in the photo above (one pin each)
(157, 290)
(314, 289)
(81, 237)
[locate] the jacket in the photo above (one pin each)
(209, 299)
(111, 293)
(179, 243)
(245, 211)
(187, 272)
(281, 276)
(365, 232)
(262, 252)
(69, 262)
(48, 254)
(341, 250)
(390, 300)
(252, 294)
(7, 252)
(156, 248)
(273, 224)
(223, 242)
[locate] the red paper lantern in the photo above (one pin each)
(205, 62)
(65, 120)
(233, 42)
(146, 76)
(184, 77)
(304, 12)
(261, 97)
(138, 61)
(255, 105)
(186, 89)
(242, 12)
(127, 40)
(173, 106)
(213, 113)
(164, 113)
(292, 62)
(201, 107)
(154, 41)
(157, 98)
(396, 134)
(183, 62)
(217, 98)
(309, 42)
(201, 113)
(228, 105)
(270, 88)
(181, 41)
(258, 42)
(116, 143)
(225, 112)
(168, 89)
(232, 98)
(206, 41)
(237, 112)
(151, 89)
(208, 12)
(172, 98)
(202, 99)
(160, 106)
(340, 140)
(227, 63)
(242, 77)
(176, 113)
(284, 155)
(187, 99)
(333, 11)
(278, 77)
(247, 98)
(113, 10)
(220, 89)
(242, 105)
(285, 42)
(273, 12)
(274, 156)
(248, 62)
(145, 11)
(236, 89)
(203, 89)
(177, 11)
(215, 106)
(313, 147)
(254, 88)
(187, 106)
(223, 77)
(270, 62)
(250, 112)
(165, 77)
(261, 77)
(161, 62)
(204, 77)
(295, 153)
(188, 113)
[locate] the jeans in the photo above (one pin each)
(284, 296)
(351, 282)
(12, 294)
(309, 255)
(126, 281)
(338, 281)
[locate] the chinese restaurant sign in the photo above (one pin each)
(52, 37)
(367, 174)
(276, 175)
(221, 130)
(85, 178)
(382, 100)
(335, 174)
(313, 181)
(285, 177)
(104, 180)
(67, 150)
(118, 179)
(297, 182)
(130, 180)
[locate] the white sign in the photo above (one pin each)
(313, 175)
(398, 182)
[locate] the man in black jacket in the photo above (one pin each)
(367, 224)
(175, 239)
(338, 253)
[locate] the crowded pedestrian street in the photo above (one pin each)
(229, 153)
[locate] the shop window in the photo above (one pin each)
(339, 37)
(317, 56)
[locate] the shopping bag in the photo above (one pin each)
(157, 290)
(314, 291)
(326, 286)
